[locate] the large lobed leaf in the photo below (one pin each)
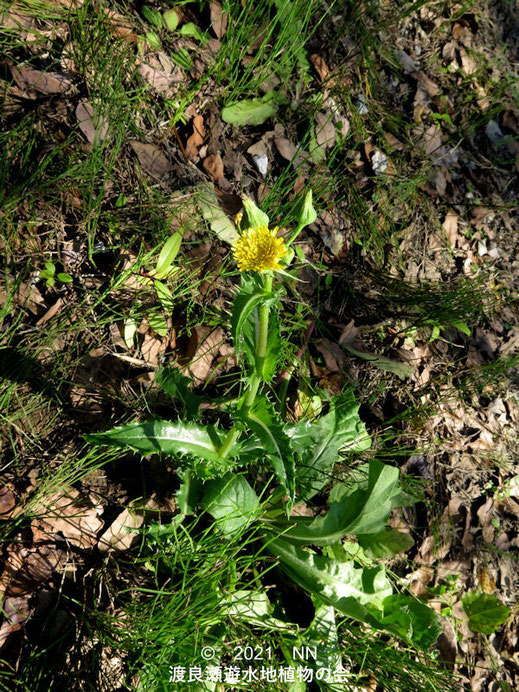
(172, 438)
(341, 584)
(318, 444)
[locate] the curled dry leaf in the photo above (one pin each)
(209, 343)
(93, 126)
(7, 502)
(121, 534)
(66, 513)
(152, 160)
(324, 130)
(196, 140)
(16, 612)
(218, 19)
(285, 147)
(47, 83)
(320, 66)
(213, 165)
(27, 568)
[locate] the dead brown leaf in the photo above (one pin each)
(332, 354)
(93, 126)
(53, 310)
(7, 502)
(219, 19)
(121, 534)
(151, 349)
(25, 569)
(160, 72)
(196, 140)
(47, 83)
(15, 611)
(450, 226)
(209, 343)
(152, 160)
(66, 513)
(285, 147)
(213, 165)
(324, 130)
(320, 66)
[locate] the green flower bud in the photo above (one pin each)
(252, 216)
(308, 213)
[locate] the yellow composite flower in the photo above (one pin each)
(259, 249)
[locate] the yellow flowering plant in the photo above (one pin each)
(213, 460)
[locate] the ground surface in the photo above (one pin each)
(404, 122)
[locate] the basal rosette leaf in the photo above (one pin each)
(340, 584)
(173, 438)
(231, 502)
(317, 444)
(364, 594)
(364, 510)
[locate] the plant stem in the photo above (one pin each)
(255, 380)
(261, 351)
(230, 439)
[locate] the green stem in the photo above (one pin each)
(255, 380)
(230, 439)
(261, 351)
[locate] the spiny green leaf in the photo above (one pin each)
(176, 385)
(317, 444)
(172, 438)
(267, 426)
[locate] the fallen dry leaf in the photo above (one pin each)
(152, 348)
(66, 513)
(16, 611)
(209, 343)
(196, 140)
(320, 66)
(285, 147)
(43, 82)
(53, 310)
(324, 130)
(120, 534)
(219, 19)
(7, 502)
(93, 126)
(152, 160)
(160, 73)
(26, 568)
(213, 165)
(450, 226)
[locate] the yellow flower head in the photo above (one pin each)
(259, 250)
